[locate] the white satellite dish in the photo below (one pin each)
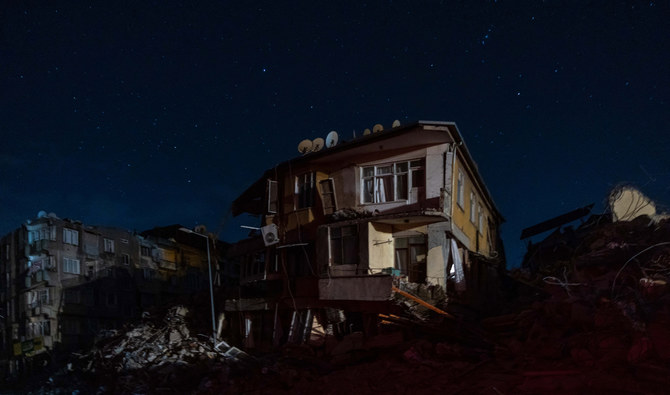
(317, 144)
(305, 146)
(396, 123)
(331, 139)
(366, 132)
(377, 128)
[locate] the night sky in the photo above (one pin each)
(143, 114)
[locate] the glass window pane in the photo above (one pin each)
(385, 169)
(349, 245)
(401, 260)
(401, 167)
(388, 188)
(368, 171)
(401, 191)
(418, 178)
(368, 190)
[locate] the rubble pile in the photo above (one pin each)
(156, 356)
(605, 325)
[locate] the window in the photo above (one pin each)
(124, 241)
(391, 182)
(148, 274)
(304, 190)
(460, 190)
(473, 207)
(71, 266)
(344, 245)
(480, 220)
(43, 296)
(109, 245)
(125, 259)
(45, 233)
(410, 257)
(328, 196)
(146, 251)
(70, 236)
(272, 196)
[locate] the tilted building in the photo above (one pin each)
(342, 226)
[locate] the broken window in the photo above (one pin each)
(70, 236)
(344, 245)
(460, 190)
(328, 196)
(71, 266)
(410, 257)
(109, 245)
(391, 182)
(304, 190)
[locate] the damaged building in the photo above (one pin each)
(64, 281)
(347, 224)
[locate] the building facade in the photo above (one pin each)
(64, 281)
(342, 226)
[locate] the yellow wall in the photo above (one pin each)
(380, 246)
(461, 214)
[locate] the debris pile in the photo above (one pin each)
(156, 356)
(605, 323)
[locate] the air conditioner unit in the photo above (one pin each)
(270, 234)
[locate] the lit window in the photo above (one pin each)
(109, 245)
(71, 266)
(70, 236)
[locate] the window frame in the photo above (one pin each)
(460, 190)
(304, 190)
(403, 169)
(473, 207)
(70, 236)
(338, 241)
(108, 245)
(68, 265)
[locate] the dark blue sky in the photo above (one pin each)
(140, 115)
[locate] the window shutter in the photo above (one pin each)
(328, 196)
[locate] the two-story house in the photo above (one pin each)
(341, 224)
